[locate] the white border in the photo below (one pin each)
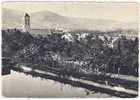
(2, 98)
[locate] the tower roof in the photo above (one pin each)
(27, 15)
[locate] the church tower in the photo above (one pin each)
(27, 22)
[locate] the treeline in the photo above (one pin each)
(96, 55)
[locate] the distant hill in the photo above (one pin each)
(47, 19)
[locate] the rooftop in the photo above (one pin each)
(27, 15)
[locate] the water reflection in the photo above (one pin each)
(20, 85)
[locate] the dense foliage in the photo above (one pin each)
(93, 54)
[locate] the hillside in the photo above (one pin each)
(47, 19)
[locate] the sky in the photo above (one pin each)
(125, 12)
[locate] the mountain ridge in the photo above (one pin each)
(47, 19)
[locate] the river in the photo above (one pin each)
(21, 85)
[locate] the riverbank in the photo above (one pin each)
(95, 84)
(17, 85)
(112, 80)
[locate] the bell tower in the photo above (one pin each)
(27, 22)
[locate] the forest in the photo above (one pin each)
(81, 56)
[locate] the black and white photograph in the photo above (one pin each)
(69, 49)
